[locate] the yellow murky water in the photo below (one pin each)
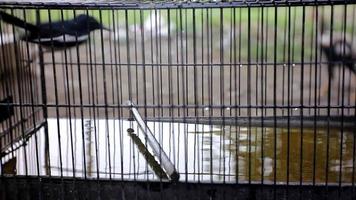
(287, 155)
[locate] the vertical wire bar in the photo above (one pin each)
(178, 31)
(302, 93)
(66, 93)
(262, 95)
(170, 90)
(266, 60)
(258, 21)
(96, 109)
(231, 78)
(135, 67)
(288, 94)
(239, 88)
(17, 65)
(56, 95)
(119, 85)
(153, 69)
(10, 91)
(4, 92)
(249, 107)
(91, 76)
(143, 52)
(105, 94)
(311, 58)
(195, 92)
(163, 102)
(209, 82)
(158, 28)
(211, 111)
(354, 109)
(318, 73)
(202, 91)
(112, 49)
(129, 84)
(183, 93)
(22, 91)
(222, 96)
(44, 102)
(21, 112)
(142, 44)
(342, 94)
(186, 92)
(329, 102)
(275, 96)
(316, 87)
(68, 97)
(350, 91)
(128, 55)
(158, 61)
(136, 56)
(293, 61)
(115, 84)
(155, 60)
(235, 96)
(73, 91)
(81, 102)
(284, 66)
(258, 66)
(2, 70)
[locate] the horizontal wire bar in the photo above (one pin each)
(226, 64)
(148, 106)
(334, 122)
(167, 5)
(241, 183)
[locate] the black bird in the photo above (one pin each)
(60, 34)
(338, 50)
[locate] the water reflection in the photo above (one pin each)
(199, 152)
(280, 154)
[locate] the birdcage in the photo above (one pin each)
(178, 99)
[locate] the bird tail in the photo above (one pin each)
(323, 25)
(17, 22)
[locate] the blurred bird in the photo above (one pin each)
(339, 50)
(60, 34)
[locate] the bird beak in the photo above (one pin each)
(105, 28)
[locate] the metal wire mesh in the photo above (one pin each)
(247, 92)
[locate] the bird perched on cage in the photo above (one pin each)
(339, 49)
(57, 35)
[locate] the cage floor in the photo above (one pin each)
(57, 188)
(203, 153)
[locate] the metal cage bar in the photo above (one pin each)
(257, 94)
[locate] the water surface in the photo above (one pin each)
(199, 152)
